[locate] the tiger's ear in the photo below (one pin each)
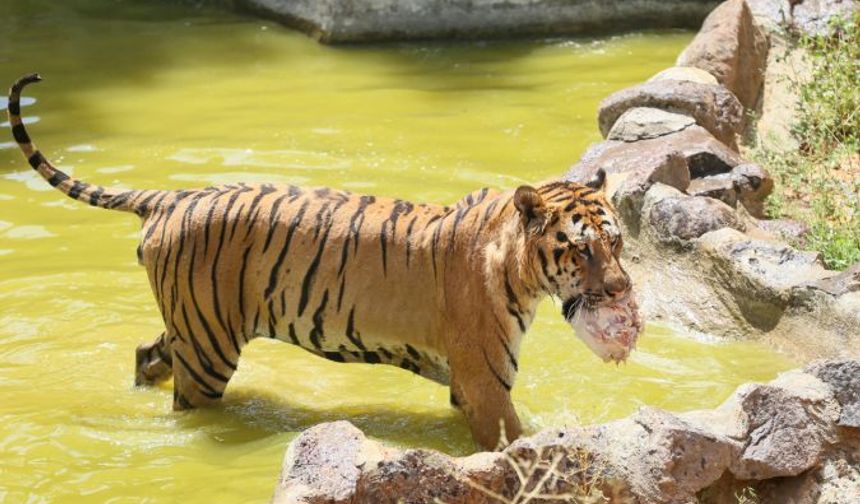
(598, 180)
(533, 211)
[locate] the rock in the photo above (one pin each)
(786, 426)
(324, 463)
(747, 183)
(771, 14)
(337, 21)
(683, 73)
(790, 439)
(720, 187)
(843, 377)
(841, 283)
(631, 172)
(644, 123)
(792, 230)
(676, 220)
(814, 16)
(665, 459)
(713, 107)
(758, 276)
(733, 49)
(704, 155)
(753, 185)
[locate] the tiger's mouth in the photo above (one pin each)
(610, 328)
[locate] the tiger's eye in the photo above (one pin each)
(560, 236)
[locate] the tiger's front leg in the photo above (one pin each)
(483, 394)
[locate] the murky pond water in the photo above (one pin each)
(148, 94)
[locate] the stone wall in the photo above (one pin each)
(349, 21)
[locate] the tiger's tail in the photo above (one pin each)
(103, 197)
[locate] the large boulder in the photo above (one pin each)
(712, 106)
(733, 49)
(677, 219)
(643, 123)
(759, 276)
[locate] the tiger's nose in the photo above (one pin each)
(616, 283)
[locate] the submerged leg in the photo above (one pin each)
(201, 371)
(153, 362)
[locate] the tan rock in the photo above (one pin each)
(732, 48)
(712, 106)
(685, 73)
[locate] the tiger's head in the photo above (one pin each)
(573, 247)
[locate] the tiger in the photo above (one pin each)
(446, 292)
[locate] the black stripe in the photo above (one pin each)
(207, 390)
(409, 239)
(213, 338)
(519, 319)
(272, 218)
(57, 178)
(310, 275)
(294, 224)
(77, 188)
(15, 107)
(36, 160)
(355, 223)
(351, 335)
(242, 274)
(334, 356)
(317, 332)
(20, 134)
(370, 357)
(412, 352)
(293, 336)
(95, 195)
(495, 373)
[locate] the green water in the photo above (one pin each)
(147, 94)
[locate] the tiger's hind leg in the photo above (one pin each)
(153, 362)
(202, 368)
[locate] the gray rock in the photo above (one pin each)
(323, 464)
(631, 170)
(843, 377)
(678, 220)
(758, 276)
(644, 123)
(841, 283)
(814, 16)
(771, 14)
(753, 185)
(720, 187)
(713, 107)
(338, 21)
(703, 153)
(747, 183)
(786, 426)
(733, 49)
(683, 73)
(792, 230)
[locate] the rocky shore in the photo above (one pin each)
(795, 439)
